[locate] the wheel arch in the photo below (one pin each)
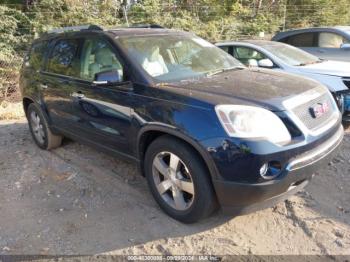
(27, 100)
(151, 132)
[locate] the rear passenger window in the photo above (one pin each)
(225, 48)
(37, 55)
(301, 40)
(63, 58)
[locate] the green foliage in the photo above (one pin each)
(22, 20)
(305, 13)
(13, 32)
(212, 19)
(50, 14)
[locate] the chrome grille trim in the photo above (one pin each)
(318, 153)
(303, 112)
(307, 99)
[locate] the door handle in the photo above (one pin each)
(78, 95)
(43, 86)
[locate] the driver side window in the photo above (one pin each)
(97, 56)
(248, 56)
(330, 40)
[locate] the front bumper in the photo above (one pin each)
(241, 198)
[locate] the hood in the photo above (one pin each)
(333, 68)
(265, 88)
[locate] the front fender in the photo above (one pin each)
(173, 131)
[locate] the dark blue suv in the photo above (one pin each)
(204, 130)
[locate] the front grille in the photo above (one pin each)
(303, 112)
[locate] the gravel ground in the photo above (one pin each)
(75, 200)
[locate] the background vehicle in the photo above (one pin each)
(331, 43)
(190, 115)
(282, 57)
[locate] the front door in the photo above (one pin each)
(329, 47)
(103, 114)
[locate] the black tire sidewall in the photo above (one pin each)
(32, 107)
(204, 199)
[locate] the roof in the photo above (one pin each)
(143, 31)
(345, 29)
(121, 31)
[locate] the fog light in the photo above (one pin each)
(270, 170)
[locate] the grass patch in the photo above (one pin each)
(11, 110)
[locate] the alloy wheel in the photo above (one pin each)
(37, 127)
(173, 181)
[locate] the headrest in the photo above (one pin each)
(103, 56)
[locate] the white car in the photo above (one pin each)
(282, 57)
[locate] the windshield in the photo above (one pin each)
(292, 55)
(170, 58)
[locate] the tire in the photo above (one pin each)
(193, 202)
(40, 130)
(346, 125)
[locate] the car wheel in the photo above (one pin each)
(40, 130)
(179, 180)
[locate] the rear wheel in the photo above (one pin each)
(179, 180)
(40, 130)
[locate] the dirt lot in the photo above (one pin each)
(75, 200)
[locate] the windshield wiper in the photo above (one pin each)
(311, 63)
(215, 72)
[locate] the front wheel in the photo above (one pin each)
(179, 180)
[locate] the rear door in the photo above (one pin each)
(32, 66)
(306, 41)
(58, 82)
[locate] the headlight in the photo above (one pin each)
(252, 122)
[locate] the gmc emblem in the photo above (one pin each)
(319, 109)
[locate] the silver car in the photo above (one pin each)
(282, 57)
(331, 43)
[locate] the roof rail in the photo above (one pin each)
(74, 28)
(146, 26)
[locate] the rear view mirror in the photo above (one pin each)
(345, 46)
(107, 78)
(266, 63)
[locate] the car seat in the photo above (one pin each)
(154, 63)
(104, 61)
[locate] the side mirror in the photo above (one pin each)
(107, 78)
(345, 46)
(267, 63)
